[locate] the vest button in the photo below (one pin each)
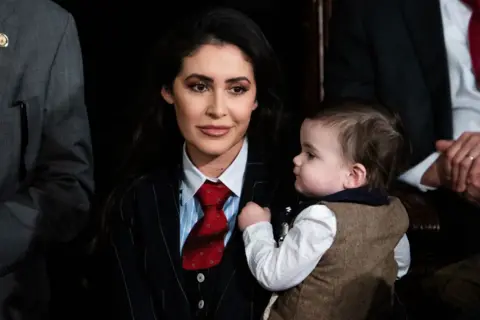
(201, 304)
(200, 277)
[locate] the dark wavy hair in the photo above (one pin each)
(156, 133)
(156, 140)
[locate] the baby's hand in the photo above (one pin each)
(252, 213)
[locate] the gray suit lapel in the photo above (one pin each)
(6, 8)
(9, 27)
(10, 128)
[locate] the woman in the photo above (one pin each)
(210, 130)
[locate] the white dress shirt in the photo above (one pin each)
(464, 92)
(313, 232)
(190, 208)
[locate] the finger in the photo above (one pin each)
(462, 163)
(460, 175)
(443, 165)
(443, 145)
(473, 156)
(252, 205)
(450, 154)
(474, 173)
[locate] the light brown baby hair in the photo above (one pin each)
(371, 135)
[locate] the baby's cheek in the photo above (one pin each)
(317, 183)
(307, 183)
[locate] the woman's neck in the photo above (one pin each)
(213, 166)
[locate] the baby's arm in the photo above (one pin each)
(280, 268)
(402, 256)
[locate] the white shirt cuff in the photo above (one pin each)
(414, 175)
(402, 256)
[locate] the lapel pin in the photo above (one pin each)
(3, 40)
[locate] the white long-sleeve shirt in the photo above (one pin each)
(312, 234)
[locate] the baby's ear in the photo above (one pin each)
(356, 177)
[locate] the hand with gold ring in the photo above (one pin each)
(435, 176)
(462, 158)
(472, 193)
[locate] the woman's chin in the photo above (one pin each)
(216, 148)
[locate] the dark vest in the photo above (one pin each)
(201, 286)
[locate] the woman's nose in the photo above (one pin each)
(218, 107)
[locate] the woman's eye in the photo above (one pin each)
(310, 155)
(238, 90)
(199, 87)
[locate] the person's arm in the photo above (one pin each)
(402, 256)
(54, 205)
(280, 268)
(349, 69)
(414, 175)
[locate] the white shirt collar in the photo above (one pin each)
(232, 177)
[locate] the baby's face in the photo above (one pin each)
(320, 168)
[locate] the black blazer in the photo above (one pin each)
(147, 269)
(393, 51)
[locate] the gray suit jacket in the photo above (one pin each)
(46, 174)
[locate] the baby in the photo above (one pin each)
(347, 245)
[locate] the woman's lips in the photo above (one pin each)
(214, 131)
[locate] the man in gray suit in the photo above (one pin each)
(46, 175)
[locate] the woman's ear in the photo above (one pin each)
(167, 95)
(357, 176)
(255, 105)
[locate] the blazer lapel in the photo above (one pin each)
(425, 26)
(161, 222)
(167, 196)
(258, 187)
(255, 184)
(256, 181)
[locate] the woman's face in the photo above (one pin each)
(214, 96)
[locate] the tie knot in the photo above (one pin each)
(213, 194)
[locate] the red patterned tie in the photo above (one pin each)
(474, 36)
(205, 244)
